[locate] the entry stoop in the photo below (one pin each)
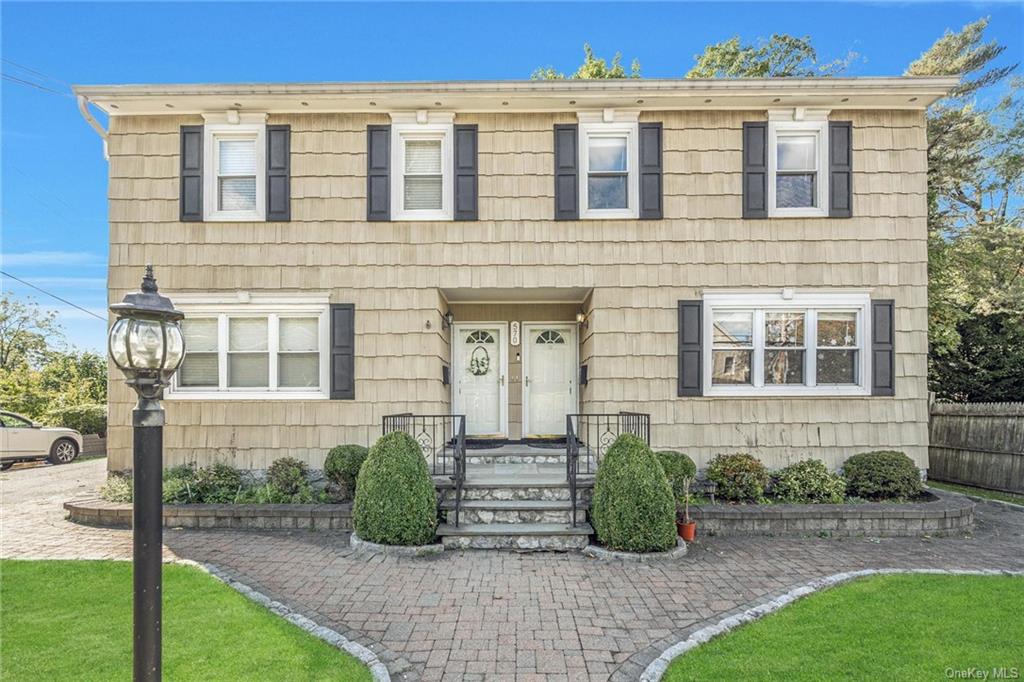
(517, 498)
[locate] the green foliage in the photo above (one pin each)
(781, 56)
(740, 477)
(592, 67)
(678, 467)
(342, 467)
(882, 475)
(633, 508)
(808, 482)
(117, 488)
(395, 500)
(81, 418)
(288, 481)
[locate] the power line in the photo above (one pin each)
(62, 300)
(34, 71)
(37, 86)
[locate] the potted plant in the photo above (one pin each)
(687, 528)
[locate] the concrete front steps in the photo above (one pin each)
(515, 505)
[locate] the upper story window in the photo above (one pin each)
(767, 344)
(234, 169)
(608, 152)
(797, 164)
(246, 351)
(422, 167)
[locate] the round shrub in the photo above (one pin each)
(395, 500)
(288, 481)
(808, 482)
(882, 475)
(740, 477)
(633, 508)
(218, 483)
(677, 467)
(342, 467)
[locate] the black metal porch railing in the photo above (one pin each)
(590, 435)
(442, 439)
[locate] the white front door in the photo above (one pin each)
(479, 368)
(549, 385)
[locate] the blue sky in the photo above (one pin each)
(54, 178)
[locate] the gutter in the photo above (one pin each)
(83, 108)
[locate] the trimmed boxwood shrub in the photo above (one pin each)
(677, 467)
(633, 508)
(342, 467)
(395, 499)
(882, 475)
(740, 477)
(808, 482)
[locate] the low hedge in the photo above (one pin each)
(808, 482)
(86, 419)
(395, 499)
(633, 508)
(739, 477)
(342, 467)
(677, 467)
(882, 475)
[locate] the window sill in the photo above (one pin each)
(234, 217)
(432, 216)
(798, 213)
(786, 392)
(244, 395)
(609, 214)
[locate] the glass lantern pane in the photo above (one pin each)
(175, 345)
(146, 341)
(118, 343)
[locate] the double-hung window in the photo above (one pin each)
(609, 185)
(422, 170)
(774, 344)
(246, 351)
(798, 167)
(234, 160)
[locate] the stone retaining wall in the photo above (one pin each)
(946, 514)
(97, 512)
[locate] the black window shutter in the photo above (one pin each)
(840, 169)
(466, 172)
(690, 380)
(883, 347)
(755, 169)
(378, 172)
(191, 186)
(650, 172)
(279, 186)
(567, 196)
(343, 356)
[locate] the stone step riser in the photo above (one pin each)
(527, 543)
(487, 516)
(517, 493)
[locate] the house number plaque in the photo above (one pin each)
(514, 333)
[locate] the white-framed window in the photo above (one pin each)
(609, 153)
(240, 351)
(235, 169)
(798, 164)
(789, 343)
(422, 168)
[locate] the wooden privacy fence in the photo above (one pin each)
(979, 444)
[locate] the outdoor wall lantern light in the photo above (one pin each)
(447, 319)
(581, 319)
(147, 345)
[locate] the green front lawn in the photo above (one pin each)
(893, 627)
(72, 620)
(979, 492)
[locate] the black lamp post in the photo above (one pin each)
(146, 344)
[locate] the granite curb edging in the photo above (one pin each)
(603, 554)
(360, 545)
(363, 654)
(657, 668)
(947, 514)
(99, 512)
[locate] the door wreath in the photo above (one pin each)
(479, 362)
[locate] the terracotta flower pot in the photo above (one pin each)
(687, 531)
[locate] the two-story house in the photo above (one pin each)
(743, 260)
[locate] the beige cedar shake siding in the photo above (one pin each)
(638, 270)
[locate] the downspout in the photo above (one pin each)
(83, 107)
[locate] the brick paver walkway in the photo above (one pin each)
(497, 615)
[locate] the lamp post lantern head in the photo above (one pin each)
(145, 341)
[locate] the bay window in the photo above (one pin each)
(771, 344)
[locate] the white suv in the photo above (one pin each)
(21, 440)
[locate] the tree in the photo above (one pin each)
(781, 56)
(26, 332)
(592, 67)
(975, 235)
